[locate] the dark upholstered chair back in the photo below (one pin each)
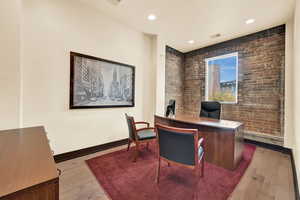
(176, 144)
(171, 107)
(131, 126)
(210, 109)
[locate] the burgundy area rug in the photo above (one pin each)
(124, 180)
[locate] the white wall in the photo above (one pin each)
(53, 28)
(296, 90)
(288, 101)
(160, 59)
(150, 77)
(10, 11)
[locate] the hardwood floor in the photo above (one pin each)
(269, 177)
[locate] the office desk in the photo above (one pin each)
(223, 138)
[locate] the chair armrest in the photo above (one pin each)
(201, 142)
(201, 147)
(148, 124)
(141, 129)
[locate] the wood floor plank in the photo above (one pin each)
(268, 177)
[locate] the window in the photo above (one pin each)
(222, 78)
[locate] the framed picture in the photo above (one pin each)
(100, 83)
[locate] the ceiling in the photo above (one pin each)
(179, 21)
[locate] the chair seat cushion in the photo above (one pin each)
(146, 134)
(200, 152)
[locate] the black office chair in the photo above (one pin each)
(180, 146)
(210, 109)
(171, 108)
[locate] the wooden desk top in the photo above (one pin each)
(225, 124)
(25, 159)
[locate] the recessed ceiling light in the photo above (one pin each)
(191, 41)
(151, 17)
(250, 21)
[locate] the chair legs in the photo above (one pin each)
(197, 177)
(129, 142)
(136, 152)
(158, 172)
(137, 147)
(202, 167)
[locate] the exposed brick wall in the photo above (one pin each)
(261, 81)
(174, 78)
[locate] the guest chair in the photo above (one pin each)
(139, 136)
(180, 146)
(210, 109)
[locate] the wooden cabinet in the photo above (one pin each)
(27, 167)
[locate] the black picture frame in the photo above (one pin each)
(88, 93)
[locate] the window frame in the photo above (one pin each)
(234, 54)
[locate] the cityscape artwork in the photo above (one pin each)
(99, 83)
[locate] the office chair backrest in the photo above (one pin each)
(131, 126)
(171, 107)
(177, 144)
(210, 109)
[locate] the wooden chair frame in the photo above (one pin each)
(136, 141)
(197, 144)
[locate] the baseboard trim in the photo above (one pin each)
(264, 138)
(282, 150)
(297, 194)
(269, 146)
(90, 150)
